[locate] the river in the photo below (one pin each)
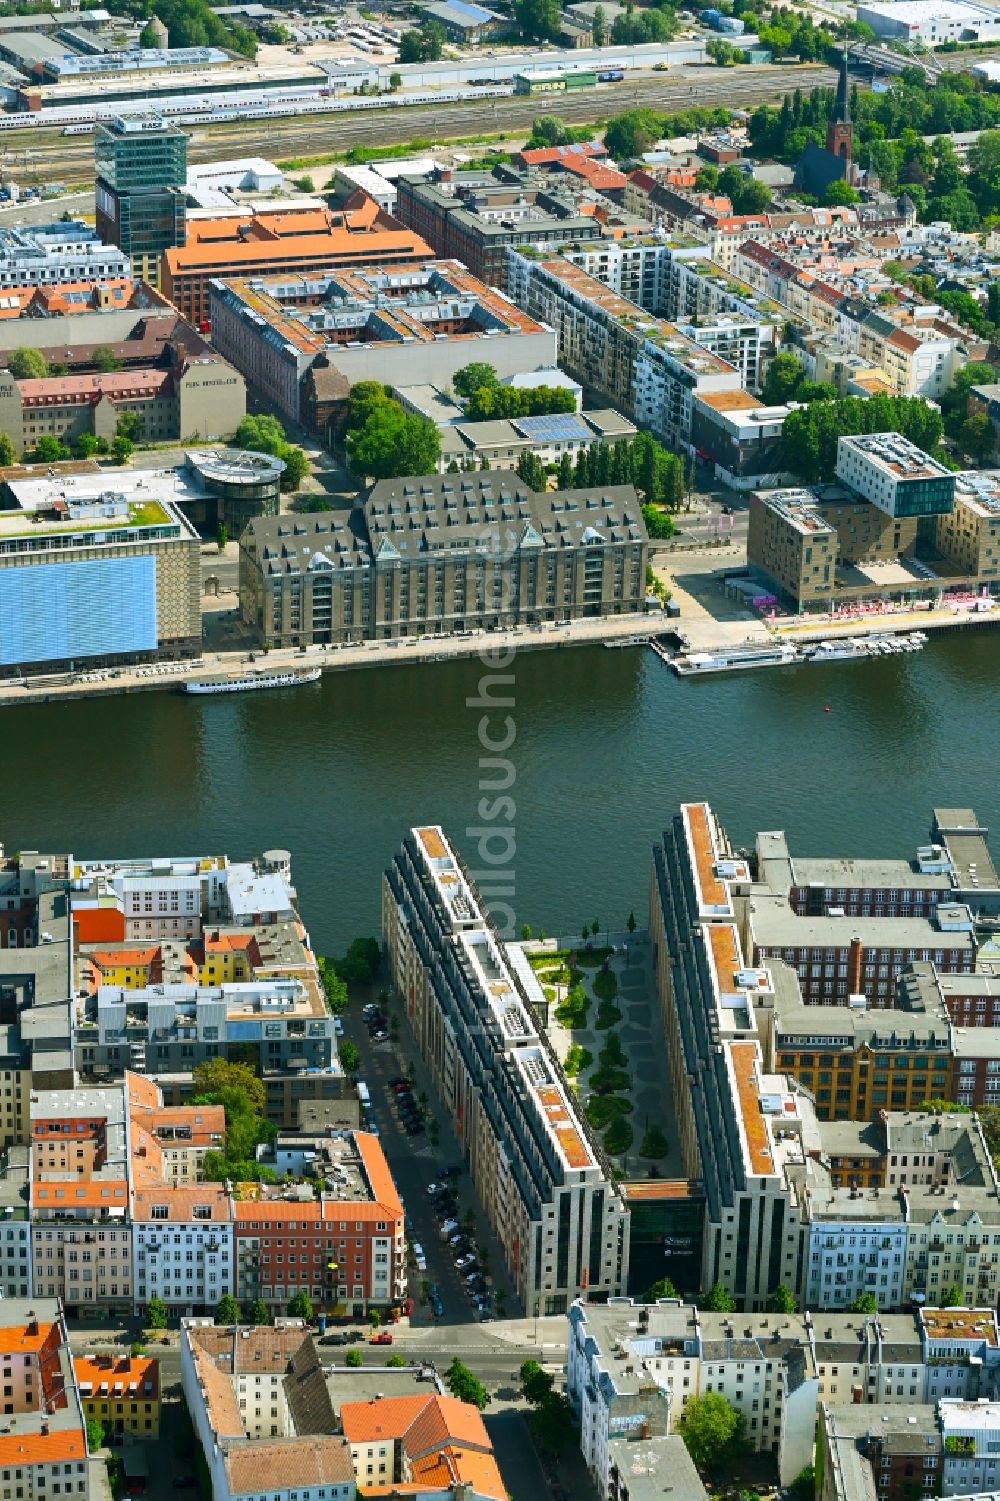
(607, 744)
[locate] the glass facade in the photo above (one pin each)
(666, 1231)
(139, 168)
(60, 612)
(925, 497)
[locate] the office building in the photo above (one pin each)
(502, 443)
(102, 582)
(896, 476)
(140, 167)
(425, 556)
(547, 1188)
(296, 241)
(294, 337)
(43, 1443)
(57, 254)
(969, 534)
(167, 380)
(932, 24)
(211, 485)
(260, 1407)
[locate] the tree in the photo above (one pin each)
(718, 1300)
(105, 361)
(148, 36)
(706, 179)
(781, 1300)
(599, 26)
(350, 1058)
(712, 1430)
(296, 468)
(863, 1303)
(632, 133)
(395, 82)
(353, 1358)
(27, 364)
(976, 437)
(664, 1288)
(474, 377)
(49, 450)
(393, 442)
(365, 397)
(841, 193)
(122, 449)
(619, 1136)
(219, 1077)
(228, 1311)
(785, 375)
(374, 1318)
(259, 1312)
(631, 924)
(464, 1385)
(86, 445)
(222, 535)
(156, 1314)
(299, 1307)
(654, 1143)
(7, 455)
(95, 1435)
(531, 470)
(552, 1423)
(536, 1384)
(334, 987)
(804, 1485)
(127, 425)
(396, 1361)
(538, 20)
(951, 1298)
(360, 964)
(659, 525)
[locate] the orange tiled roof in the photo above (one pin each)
(120, 1372)
(54, 1447)
(23, 1339)
(378, 1174)
(389, 1418)
(71, 1194)
(745, 1058)
(107, 958)
(181, 1202)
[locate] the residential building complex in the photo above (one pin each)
(57, 254)
(441, 554)
(304, 340)
(544, 1182)
(121, 1392)
(423, 1443)
(285, 242)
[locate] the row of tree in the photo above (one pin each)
(809, 435)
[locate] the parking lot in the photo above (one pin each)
(406, 1119)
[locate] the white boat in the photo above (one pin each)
(838, 651)
(735, 659)
(252, 680)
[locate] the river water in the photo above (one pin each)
(607, 744)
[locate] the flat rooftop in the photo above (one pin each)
(895, 455)
(713, 869)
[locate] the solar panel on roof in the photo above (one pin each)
(559, 425)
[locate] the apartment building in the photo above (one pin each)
(281, 241)
(183, 1246)
(101, 583)
(368, 325)
(122, 1393)
(476, 217)
(547, 1188)
(442, 554)
(346, 1251)
(879, 1451)
(15, 1223)
(262, 1413)
(646, 367)
(423, 1443)
(793, 545)
(43, 1446)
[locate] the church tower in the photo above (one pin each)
(840, 131)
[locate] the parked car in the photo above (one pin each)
(448, 1228)
(333, 1339)
(437, 1306)
(434, 1189)
(370, 1010)
(382, 1036)
(419, 1257)
(466, 1263)
(384, 1338)
(414, 1128)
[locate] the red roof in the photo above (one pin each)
(99, 924)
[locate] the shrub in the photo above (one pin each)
(654, 1143)
(601, 1110)
(607, 1016)
(578, 1060)
(572, 1012)
(605, 985)
(619, 1136)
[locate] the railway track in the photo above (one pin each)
(47, 155)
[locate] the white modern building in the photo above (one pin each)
(933, 21)
(895, 475)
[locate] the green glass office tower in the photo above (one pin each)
(140, 169)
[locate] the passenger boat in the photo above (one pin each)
(251, 681)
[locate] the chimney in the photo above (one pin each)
(855, 953)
